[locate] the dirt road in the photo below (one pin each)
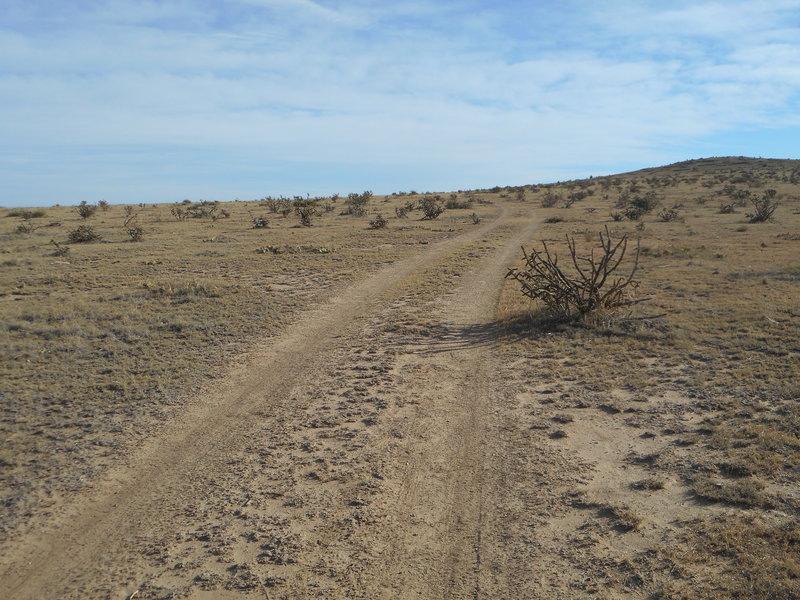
(351, 457)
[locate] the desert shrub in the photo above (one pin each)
(401, 212)
(306, 212)
(591, 289)
(357, 203)
(26, 214)
(85, 210)
(135, 232)
(83, 234)
(284, 207)
(764, 207)
(475, 219)
(638, 206)
(550, 199)
(574, 197)
(378, 222)
(271, 204)
(726, 209)
(553, 220)
(259, 222)
(103, 205)
(26, 227)
(59, 249)
(454, 202)
(669, 214)
(617, 216)
(431, 207)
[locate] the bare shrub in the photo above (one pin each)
(103, 205)
(669, 214)
(475, 219)
(26, 227)
(259, 222)
(588, 291)
(635, 207)
(378, 222)
(454, 202)
(431, 207)
(60, 250)
(135, 232)
(357, 203)
(764, 207)
(306, 211)
(726, 209)
(401, 212)
(85, 210)
(131, 227)
(26, 214)
(550, 199)
(83, 234)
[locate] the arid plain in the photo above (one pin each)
(215, 400)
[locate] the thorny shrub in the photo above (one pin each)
(431, 207)
(83, 234)
(764, 207)
(591, 290)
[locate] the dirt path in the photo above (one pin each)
(343, 459)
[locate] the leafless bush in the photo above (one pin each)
(306, 211)
(378, 222)
(401, 212)
(103, 205)
(132, 228)
(726, 209)
(259, 221)
(357, 203)
(135, 231)
(83, 234)
(635, 207)
(86, 210)
(431, 207)
(669, 214)
(60, 250)
(454, 202)
(550, 199)
(590, 290)
(475, 219)
(764, 207)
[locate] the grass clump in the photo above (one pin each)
(741, 492)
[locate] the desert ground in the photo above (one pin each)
(215, 400)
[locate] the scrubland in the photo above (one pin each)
(443, 424)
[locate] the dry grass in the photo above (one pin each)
(723, 356)
(100, 340)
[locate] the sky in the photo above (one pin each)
(161, 100)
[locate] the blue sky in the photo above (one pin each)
(156, 101)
